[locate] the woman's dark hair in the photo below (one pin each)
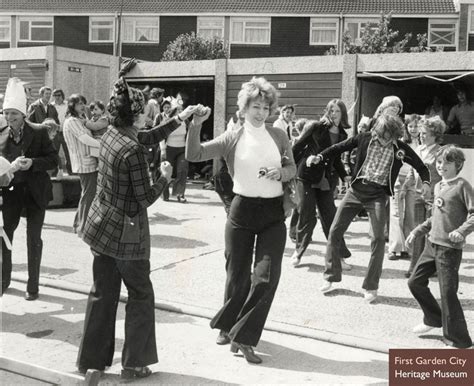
(99, 104)
(409, 118)
(72, 101)
(121, 111)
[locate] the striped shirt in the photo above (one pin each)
(376, 167)
(81, 160)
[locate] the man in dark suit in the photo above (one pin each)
(30, 189)
(41, 109)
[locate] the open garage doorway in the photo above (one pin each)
(415, 90)
(191, 90)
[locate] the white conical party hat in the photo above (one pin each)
(15, 96)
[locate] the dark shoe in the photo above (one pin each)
(405, 255)
(83, 370)
(135, 372)
(181, 199)
(30, 296)
(249, 355)
(222, 338)
(392, 256)
(407, 274)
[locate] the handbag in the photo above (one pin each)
(290, 197)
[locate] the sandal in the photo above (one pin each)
(136, 372)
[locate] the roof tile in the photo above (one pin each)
(289, 7)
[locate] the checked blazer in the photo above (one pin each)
(117, 223)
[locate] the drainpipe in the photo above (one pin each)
(341, 32)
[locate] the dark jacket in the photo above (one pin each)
(37, 113)
(313, 140)
(36, 145)
(402, 153)
(117, 224)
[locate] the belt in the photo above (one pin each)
(365, 181)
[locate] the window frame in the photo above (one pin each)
(221, 18)
(102, 18)
(31, 19)
(470, 13)
(323, 20)
(359, 22)
(134, 19)
(9, 35)
(443, 21)
(250, 19)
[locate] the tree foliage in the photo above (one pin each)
(376, 38)
(192, 47)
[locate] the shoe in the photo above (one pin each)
(392, 256)
(249, 355)
(181, 199)
(370, 296)
(345, 266)
(422, 328)
(31, 296)
(326, 287)
(295, 260)
(407, 274)
(222, 338)
(405, 255)
(83, 370)
(135, 372)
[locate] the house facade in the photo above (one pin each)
(144, 28)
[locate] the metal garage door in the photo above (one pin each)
(31, 71)
(310, 92)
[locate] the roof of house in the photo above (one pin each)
(289, 7)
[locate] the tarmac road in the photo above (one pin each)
(188, 272)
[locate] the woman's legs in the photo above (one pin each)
(180, 165)
(88, 190)
(307, 216)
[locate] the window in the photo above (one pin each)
(5, 29)
(36, 29)
(209, 27)
(250, 30)
(355, 27)
(323, 32)
(442, 33)
(141, 29)
(471, 20)
(101, 29)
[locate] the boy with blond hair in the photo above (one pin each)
(451, 221)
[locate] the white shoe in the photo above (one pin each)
(295, 260)
(370, 295)
(345, 266)
(326, 287)
(422, 328)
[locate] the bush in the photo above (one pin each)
(192, 47)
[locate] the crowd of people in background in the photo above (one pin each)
(134, 148)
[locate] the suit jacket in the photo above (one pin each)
(117, 223)
(36, 145)
(37, 113)
(313, 140)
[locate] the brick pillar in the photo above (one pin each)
(349, 85)
(220, 98)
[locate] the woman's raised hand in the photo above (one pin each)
(201, 114)
(187, 112)
(273, 173)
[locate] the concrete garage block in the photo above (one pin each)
(66, 192)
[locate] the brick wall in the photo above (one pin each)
(170, 28)
(289, 37)
(73, 32)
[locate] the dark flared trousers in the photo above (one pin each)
(445, 261)
(310, 198)
(96, 350)
(14, 202)
(251, 283)
(373, 199)
(175, 156)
